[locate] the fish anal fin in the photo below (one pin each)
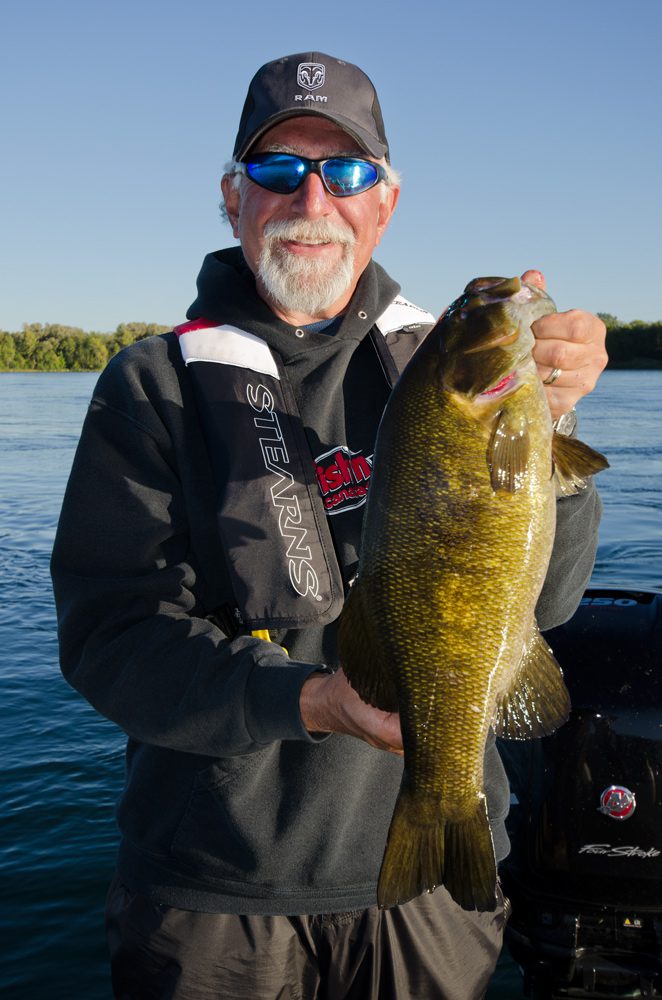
(425, 850)
(537, 702)
(573, 462)
(365, 670)
(508, 452)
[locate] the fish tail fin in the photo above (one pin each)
(573, 461)
(414, 857)
(425, 850)
(471, 875)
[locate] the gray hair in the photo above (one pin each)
(236, 171)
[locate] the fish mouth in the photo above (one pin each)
(507, 384)
(500, 388)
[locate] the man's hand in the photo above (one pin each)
(572, 342)
(329, 704)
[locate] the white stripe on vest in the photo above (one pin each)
(225, 345)
(402, 313)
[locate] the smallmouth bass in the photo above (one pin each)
(457, 537)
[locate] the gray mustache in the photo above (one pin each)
(307, 230)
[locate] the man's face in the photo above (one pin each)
(307, 270)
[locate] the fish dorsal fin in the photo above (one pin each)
(508, 452)
(537, 702)
(573, 461)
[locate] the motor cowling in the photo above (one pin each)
(585, 870)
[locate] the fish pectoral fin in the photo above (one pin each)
(572, 462)
(538, 701)
(425, 850)
(508, 452)
(365, 670)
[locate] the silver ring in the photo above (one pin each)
(553, 376)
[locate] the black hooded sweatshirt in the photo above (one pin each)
(230, 804)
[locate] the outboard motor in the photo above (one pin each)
(585, 872)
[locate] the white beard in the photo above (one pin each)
(299, 284)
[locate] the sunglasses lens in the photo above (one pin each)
(345, 176)
(283, 173)
(277, 172)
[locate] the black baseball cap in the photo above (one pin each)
(312, 83)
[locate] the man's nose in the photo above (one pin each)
(312, 200)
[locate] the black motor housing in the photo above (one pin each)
(585, 871)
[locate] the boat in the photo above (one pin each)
(584, 876)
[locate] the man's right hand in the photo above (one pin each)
(329, 704)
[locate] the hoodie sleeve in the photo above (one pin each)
(573, 555)
(134, 639)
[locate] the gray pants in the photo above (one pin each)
(427, 949)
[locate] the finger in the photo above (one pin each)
(574, 326)
(554, 356)
(561, 401)
(550, 376)
(398, 751)
(557, 355)
(580, 378)
(569, 387)
(388, 732)
(381, 744)
(578, 362)
(535, 278)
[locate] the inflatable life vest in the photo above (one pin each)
(280, 555)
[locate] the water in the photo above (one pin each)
(61, 763)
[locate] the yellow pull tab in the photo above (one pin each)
(263, 633)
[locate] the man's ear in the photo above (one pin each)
(386, 210)
(232, 199)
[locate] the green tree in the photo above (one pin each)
(46, 357)
(91, 353)
(609, 320)
(8, 355)
(69, 348)
(26, 344)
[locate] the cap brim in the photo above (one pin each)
(368, 142)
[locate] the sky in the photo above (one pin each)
(527, 136)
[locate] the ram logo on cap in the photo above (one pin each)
(311, 76)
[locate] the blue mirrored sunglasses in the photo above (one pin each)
(342, 176)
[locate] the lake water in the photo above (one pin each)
(61, 764)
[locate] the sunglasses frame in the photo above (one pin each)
(312, 167)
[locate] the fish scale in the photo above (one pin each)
(457, 536)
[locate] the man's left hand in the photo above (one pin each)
(573, 343)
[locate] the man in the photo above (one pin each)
(208, 535)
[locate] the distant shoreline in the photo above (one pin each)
(50, 371)
(51, 348)
(635, 365)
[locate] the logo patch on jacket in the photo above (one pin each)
(344, 478)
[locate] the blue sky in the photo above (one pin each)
(527, 136)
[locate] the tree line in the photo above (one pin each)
(633, 345)
(51, 347)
